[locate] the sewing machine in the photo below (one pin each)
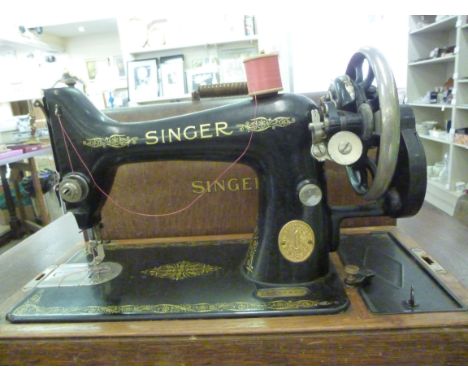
(285, 268)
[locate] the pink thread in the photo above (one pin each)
(263, 74)
(117, 204)
(66, 145)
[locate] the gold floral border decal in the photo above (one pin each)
(252, 250)
(260, 124)
(181, 270)
(32, 307)
(116, 141)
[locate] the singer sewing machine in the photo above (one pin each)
(285, 269)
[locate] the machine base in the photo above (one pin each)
(400, 274)
(175, 281)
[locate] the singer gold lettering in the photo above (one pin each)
(189, 133)
(223, 185)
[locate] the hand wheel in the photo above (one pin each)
(386, 126)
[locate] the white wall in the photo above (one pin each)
(82, 48)
(5, 110)
(314, 46)
(317, 46)
(95, 47)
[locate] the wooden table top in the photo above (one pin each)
(61, 239)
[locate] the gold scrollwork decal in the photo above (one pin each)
(260, 124)
(32, 307)
(181, 270)
(115, 141)
(248, 263)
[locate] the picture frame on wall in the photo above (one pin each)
(143, 80)
(204, 75)
(173, 82)
(231, 63)
(91, 68)
(118, 63)
(112, 67)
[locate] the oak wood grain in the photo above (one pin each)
(357, 317)
(355, 336)
(397, 347)
(443, 236)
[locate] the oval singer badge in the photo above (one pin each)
(296, 241)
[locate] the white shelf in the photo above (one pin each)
(434, 139)
(18, 42)
(19, 93)
(432, 73)
(184, 97)
(438, 185)
(195, 45)
(439, 26)
(437, 60)
(431, 105)
(443, 187)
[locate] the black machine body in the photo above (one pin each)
(289, 138)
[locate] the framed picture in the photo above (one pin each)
(172, 76)
(143, 82)
(204, 75)
(105, 69)
(91, 67)
(118, 63)
(231, 63)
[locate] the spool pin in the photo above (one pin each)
(263, 74)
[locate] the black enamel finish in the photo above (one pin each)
(396, 272)
(136, 295)
(280, 157)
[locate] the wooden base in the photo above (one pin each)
(354, 337)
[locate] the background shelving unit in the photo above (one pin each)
(195, 52)
(218, 54)
(424, 74)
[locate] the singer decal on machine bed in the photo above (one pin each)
(181, 270)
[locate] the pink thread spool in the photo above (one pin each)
(263, 74)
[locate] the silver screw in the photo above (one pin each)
(345, 148)
(319, 150)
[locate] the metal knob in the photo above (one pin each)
(356, 276)
(345, 148)
(310, 195)
(351, 272)
(73, 188)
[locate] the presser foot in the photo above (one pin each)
(94, 253)
(76, 273)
